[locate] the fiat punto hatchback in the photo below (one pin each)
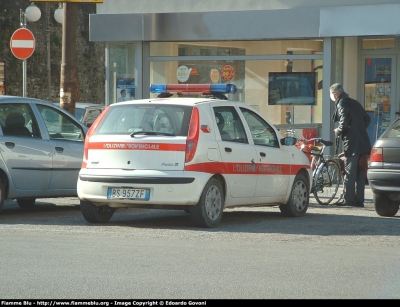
(200, 155)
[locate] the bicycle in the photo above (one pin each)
(327, 178)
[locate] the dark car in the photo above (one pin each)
(87, 112)
(384, 171)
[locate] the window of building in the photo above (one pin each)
(247, 64)
(121, 85)
(378, 43)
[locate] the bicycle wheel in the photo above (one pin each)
(328, 183)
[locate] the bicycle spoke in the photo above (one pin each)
(327, 178)
(328, 181)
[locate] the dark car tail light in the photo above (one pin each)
(193, 135)
(376, 155)
(89, 134)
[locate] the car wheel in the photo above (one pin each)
(384, 206)
(26, 203)
(94, 214)
(208, 212)
(2, 193)
(299, 198)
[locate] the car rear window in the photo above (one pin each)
(79, 113)
(393, 132)
(126, 119)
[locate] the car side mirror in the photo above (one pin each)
(288, 141)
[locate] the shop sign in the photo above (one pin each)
(194, 71)
(227, 72)
(182, 73)
(214, 75)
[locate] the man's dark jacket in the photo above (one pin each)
(353, 122)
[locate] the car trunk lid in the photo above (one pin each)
(138, 152)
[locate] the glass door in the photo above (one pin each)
(379, 93)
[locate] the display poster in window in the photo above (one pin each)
(125, 88)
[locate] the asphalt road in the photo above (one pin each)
(332, 252)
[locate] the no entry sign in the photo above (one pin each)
(22, 43)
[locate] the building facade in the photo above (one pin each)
(282, 55)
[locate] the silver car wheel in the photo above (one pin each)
(299, 195)
(213, 203)
(299, 198)
(208, 211)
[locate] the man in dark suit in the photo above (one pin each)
(353, 121)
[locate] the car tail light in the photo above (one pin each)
(193, 135)
(89, 134)
(376, 155)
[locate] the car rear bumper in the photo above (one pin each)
(384, 181)
(167, 188)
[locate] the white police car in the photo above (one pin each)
(200, 155)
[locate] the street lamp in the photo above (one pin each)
(33, 14)
(59, 14)
(69, 85)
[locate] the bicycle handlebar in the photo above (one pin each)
(318, 140)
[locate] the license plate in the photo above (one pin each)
(122, 193)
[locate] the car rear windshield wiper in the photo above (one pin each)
(150, 133)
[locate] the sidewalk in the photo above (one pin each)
(368, 196)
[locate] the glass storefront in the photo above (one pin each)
(250, 65)
(280, 78)
(380, 67)
(197, 46)
(293, 97)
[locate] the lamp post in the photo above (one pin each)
(69, 85)
(32, 13)
(47, 8)
(58, 16)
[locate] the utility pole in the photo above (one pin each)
(69, 83)
(48, 51)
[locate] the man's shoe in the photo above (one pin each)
(343, 203)
(359, 204)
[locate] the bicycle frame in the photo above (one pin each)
(327, 177)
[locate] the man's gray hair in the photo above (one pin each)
(337, 88)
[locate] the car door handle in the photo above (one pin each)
(227, 149)
(262, 154)
(59, 149)
(10, 144)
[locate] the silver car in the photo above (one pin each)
(41, 150)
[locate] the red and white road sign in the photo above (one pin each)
(22, 43)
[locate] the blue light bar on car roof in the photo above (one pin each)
(193, 88)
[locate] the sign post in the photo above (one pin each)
(22, 46)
